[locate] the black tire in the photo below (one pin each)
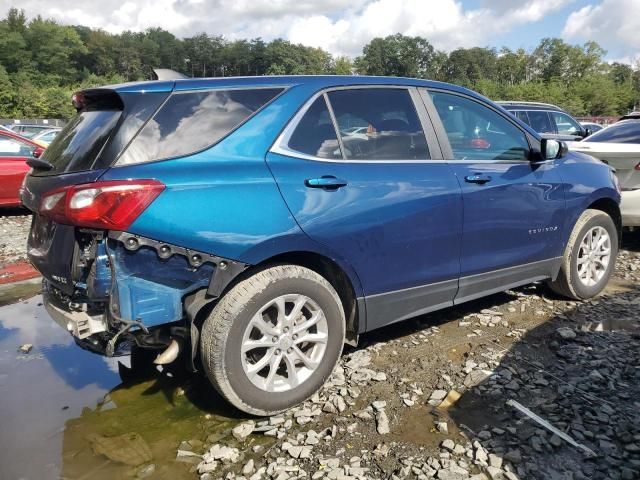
(568, 283)
(223, 330)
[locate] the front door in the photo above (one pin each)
(378, 195)
(513, 208)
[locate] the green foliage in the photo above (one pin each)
(42, 63)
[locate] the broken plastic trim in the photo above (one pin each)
(226, 270)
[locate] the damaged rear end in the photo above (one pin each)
(111, 289)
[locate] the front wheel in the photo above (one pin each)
(589, 258)
(273, 340)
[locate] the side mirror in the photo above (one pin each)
(586, 132)
(552, 149)
(37, 153)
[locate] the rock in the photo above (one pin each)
(26, 348)
(495, 461)
(442, 427)
(566, 333)
(242, 431)
(187, 456)
(448, 444)
(146, 471)
(449, 475)
(513, 456)
(484, 435)
(382, 423)
(476, 377)
(248, 468)
(222, 453)
(129, 448)
(379, 405)
(437, 396)
(495, 473)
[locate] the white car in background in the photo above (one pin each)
(619, 146)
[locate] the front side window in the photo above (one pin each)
(539, 120)
(378, 124)
(476, 132)
(192, 121)
(565, 125)
(314, 135)
(625, 131)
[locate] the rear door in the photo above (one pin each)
(378, 195)
(513, 208)
(13, 168)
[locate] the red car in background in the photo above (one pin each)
(14, 152)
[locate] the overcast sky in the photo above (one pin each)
(344, 26)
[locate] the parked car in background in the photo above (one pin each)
(592, 126)
(260, 248)
(45, 137)
(619, 146)
(28, 130)
(548, 120)
(14, 153)
(631, 116)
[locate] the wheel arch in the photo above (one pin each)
(611, 208)
(337, 276)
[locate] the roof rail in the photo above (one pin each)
(534, 104)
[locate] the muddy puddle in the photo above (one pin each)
(67, 413)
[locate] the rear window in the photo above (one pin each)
(192, 121)
(80, 142)
(625, 131)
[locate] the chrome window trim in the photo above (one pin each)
(280, 146)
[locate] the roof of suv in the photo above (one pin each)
(509, 105)
(321, 81)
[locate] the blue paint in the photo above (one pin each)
(151, 289)
(392, 226)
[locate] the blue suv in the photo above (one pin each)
(258, 224)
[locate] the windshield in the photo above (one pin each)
(625, 131)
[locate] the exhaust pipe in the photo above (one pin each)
(169, 355)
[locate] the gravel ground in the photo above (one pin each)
(14, 228)
(434, 398)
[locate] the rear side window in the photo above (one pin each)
(540, 121)
(378, 124)
(625, 131)
(192, 121)
(314, 135)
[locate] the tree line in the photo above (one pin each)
(43, 62)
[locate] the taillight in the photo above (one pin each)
(110, 205)
(637, 167)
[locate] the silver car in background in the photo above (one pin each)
(619, 146)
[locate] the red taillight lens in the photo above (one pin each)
(637, 167)
(112, 205)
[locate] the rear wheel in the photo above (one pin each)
(589, 258)
(273, 339)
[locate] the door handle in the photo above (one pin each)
(326, 182)
(477, 178)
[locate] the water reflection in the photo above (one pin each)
(56, 400)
